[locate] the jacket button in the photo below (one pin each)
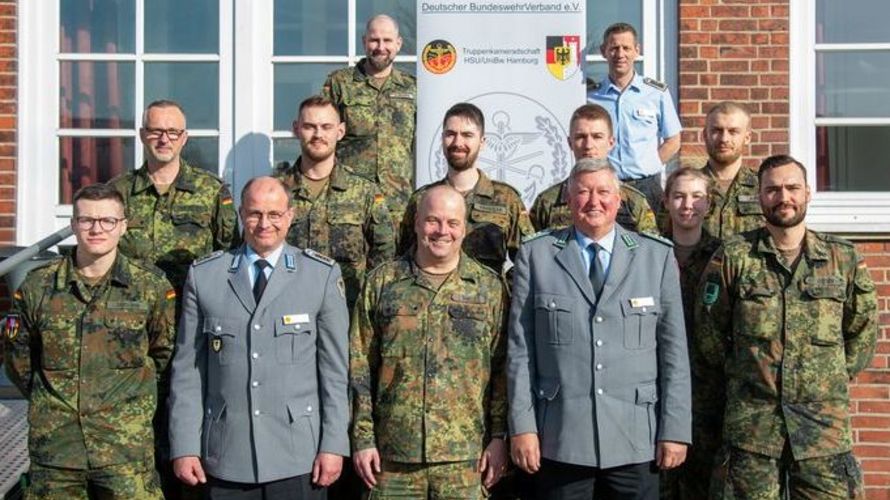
(599, 391)
(599, 343)
(541, 392)
(599, 366)
(552, 305)
(256, 327)
(256, 413)
(254, 384)
(218, 328)
(599, 319)
(309, 408)
(255, 355)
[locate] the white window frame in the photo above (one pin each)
(38, 117)
(246, 72)
(848, 213)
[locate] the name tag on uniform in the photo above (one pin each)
(293, 319)
(645, 113)
(642, 302)
(747, 198)
(401, 95)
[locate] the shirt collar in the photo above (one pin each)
(250, 256)
(185, 179)
(607, 242)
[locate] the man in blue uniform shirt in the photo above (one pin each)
(647, 128)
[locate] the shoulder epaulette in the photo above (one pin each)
(208, 257)
(655, 83)
(655, 237)
(539, 234)
(280, 168)
(592, 84)
(324, 259)
(507, 186)
(830, 238)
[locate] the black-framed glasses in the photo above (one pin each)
(155, 133)
(105, 223)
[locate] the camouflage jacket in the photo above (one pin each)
(690, 275)
(379, 140)
(428, 367)
(551, 209)
(193, 219)
(497, 221)
(348, 221)
(773, 350)
(738, 210)
(89, 361)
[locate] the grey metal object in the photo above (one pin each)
(13, 443)
(17, 261)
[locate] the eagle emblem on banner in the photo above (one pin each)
(563, 56)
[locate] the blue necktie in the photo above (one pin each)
(596, 274)
(259, 285)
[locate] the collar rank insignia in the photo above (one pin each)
(629, 241)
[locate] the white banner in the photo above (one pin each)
(521, 64)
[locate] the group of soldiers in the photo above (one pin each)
(743, 326)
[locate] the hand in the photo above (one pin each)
(493, 462)
(526, 452)
(326, 469)
(367, 463)
(189, 470)
(669, 454)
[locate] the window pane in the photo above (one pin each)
(88, 160)
(853, 84)
(405, 13)
(293, 83)
(853, 158)
(195, 86)
(602, 14)
(96, 94)
(99, 26)
(179, 26)
(310, 28)
(285, 150)
(202, 152)
(852, 21)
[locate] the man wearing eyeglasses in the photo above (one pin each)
(176, 212)
(87, 342)
(258, 400)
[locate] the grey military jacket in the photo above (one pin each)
(600, 384)
(257, 390)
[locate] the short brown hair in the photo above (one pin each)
(470, 112)
(776, 161)
(592, 112)
(318, 101)
(97, 192)
(728, 107)
(619, 28)
(162, 103)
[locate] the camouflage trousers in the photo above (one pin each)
(125, 481)
(437, 481)
(752, 476)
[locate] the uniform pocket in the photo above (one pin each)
(293, 341)
(645, 398)
(347, 243)
(214, 425)
(554, 318)
(128, 342)
(639, 325)
(303, 428)
(545, 393)
(222, 345)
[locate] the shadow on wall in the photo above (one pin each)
(248, 159)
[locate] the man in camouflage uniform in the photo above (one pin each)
(427, 353)
(496, 217)
(734, 204)
(686, 202)
(336, 212)
(377, 102)
(786, 318)
(176, 212)
(590, 136)
(88, 341)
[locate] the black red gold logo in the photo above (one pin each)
(439, 56)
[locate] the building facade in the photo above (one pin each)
(75, 74)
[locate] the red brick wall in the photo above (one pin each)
(738, 50)
(8, 91)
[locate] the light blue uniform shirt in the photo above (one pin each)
(643, 116)
(606, 243)
(250, 257)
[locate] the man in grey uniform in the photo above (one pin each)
(598, 373)
(258, 403)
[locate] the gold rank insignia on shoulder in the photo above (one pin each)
(216, 344)
(11, 326)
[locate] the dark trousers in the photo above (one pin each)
(651, 187)
(561, 481)
(292, 488)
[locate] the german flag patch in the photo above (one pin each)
(171, 294)
(379, 198)
(17, 295)
(226, 200)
